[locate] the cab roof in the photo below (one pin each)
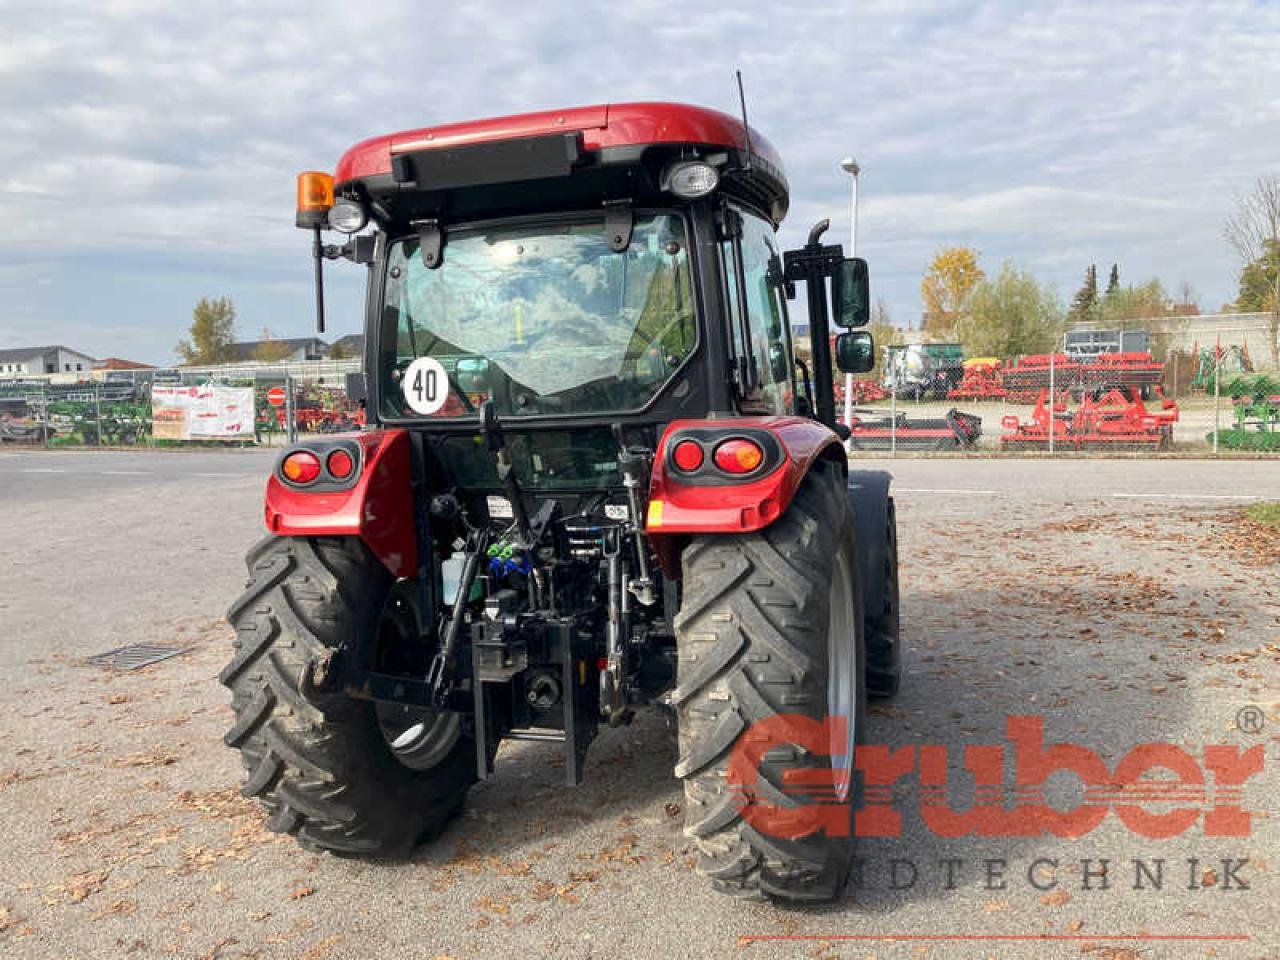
(602, 126)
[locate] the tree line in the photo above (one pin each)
(1013, 313)
(212, 333)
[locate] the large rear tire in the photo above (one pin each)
(324, 766)
(771, 624)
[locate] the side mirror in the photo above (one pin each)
(855, 352)
(851, 293)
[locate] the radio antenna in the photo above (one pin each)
(746, 128)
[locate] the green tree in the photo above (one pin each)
(1011, 315)
(212, 330)
(1145, 301)
(343, 351)
(1084, 304)
(1254, 231)
(270, 348)
(1260, 281)
(884, 333)
(946, 288)
(1146, 306)
(1113, 282)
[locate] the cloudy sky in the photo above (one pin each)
(148, 149)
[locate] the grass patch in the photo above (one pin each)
(1266, 513)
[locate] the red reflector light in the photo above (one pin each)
(687, 455)
(738, 456)
(300, 467)
(340, 464)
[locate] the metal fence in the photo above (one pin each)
(1217, 407)
(262, 405)
(1204, 409)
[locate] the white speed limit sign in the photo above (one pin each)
(425, 386)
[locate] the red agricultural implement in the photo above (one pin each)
(879, 430)
(982, 380)
(1031, 374)
(1113, 421)
(864, 391)
(1134, 371)
(1111, 371)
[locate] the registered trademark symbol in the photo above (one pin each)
(1250, 720)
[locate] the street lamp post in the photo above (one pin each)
(850, 166)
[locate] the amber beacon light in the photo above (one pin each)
(315, 197)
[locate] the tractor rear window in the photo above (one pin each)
(541, 320)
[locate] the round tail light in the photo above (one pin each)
(738, 456)
(301, 466)
(687, 455)
(340, 464)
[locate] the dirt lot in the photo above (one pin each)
(1123, 602)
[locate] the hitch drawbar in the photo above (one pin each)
(565, 688)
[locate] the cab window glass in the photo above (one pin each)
(767, 322)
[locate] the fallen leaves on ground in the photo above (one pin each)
(121, 908)
(147, 758)
(76, 888)
(322, 948)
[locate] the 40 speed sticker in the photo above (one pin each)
(425, 386)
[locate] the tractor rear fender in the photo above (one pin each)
(707, 499)
(869, 497)
(375, 503)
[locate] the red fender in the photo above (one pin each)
(734, 506)
(378, 508)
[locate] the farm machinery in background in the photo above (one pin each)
(923, 371)
(1134, 372)
(983, 379)
(864, 391)
(1118, 419)
(1092, 362)
(882, 430)
(1255, 405)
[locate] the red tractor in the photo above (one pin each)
(593, 478)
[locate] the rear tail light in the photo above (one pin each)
(340, 464)
(688, 455)
(301, 467)
(738, 456)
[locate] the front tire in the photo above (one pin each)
(883, 627)
(324, 766)
(771, 624)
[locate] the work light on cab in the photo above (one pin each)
(738, 456)
(300, 467)
(691, 179)
(315, 197)
(348, 216)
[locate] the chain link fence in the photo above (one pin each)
(267, 405)
(1206, 401)
(1206, 404)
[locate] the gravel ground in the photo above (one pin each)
(1123, 601)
